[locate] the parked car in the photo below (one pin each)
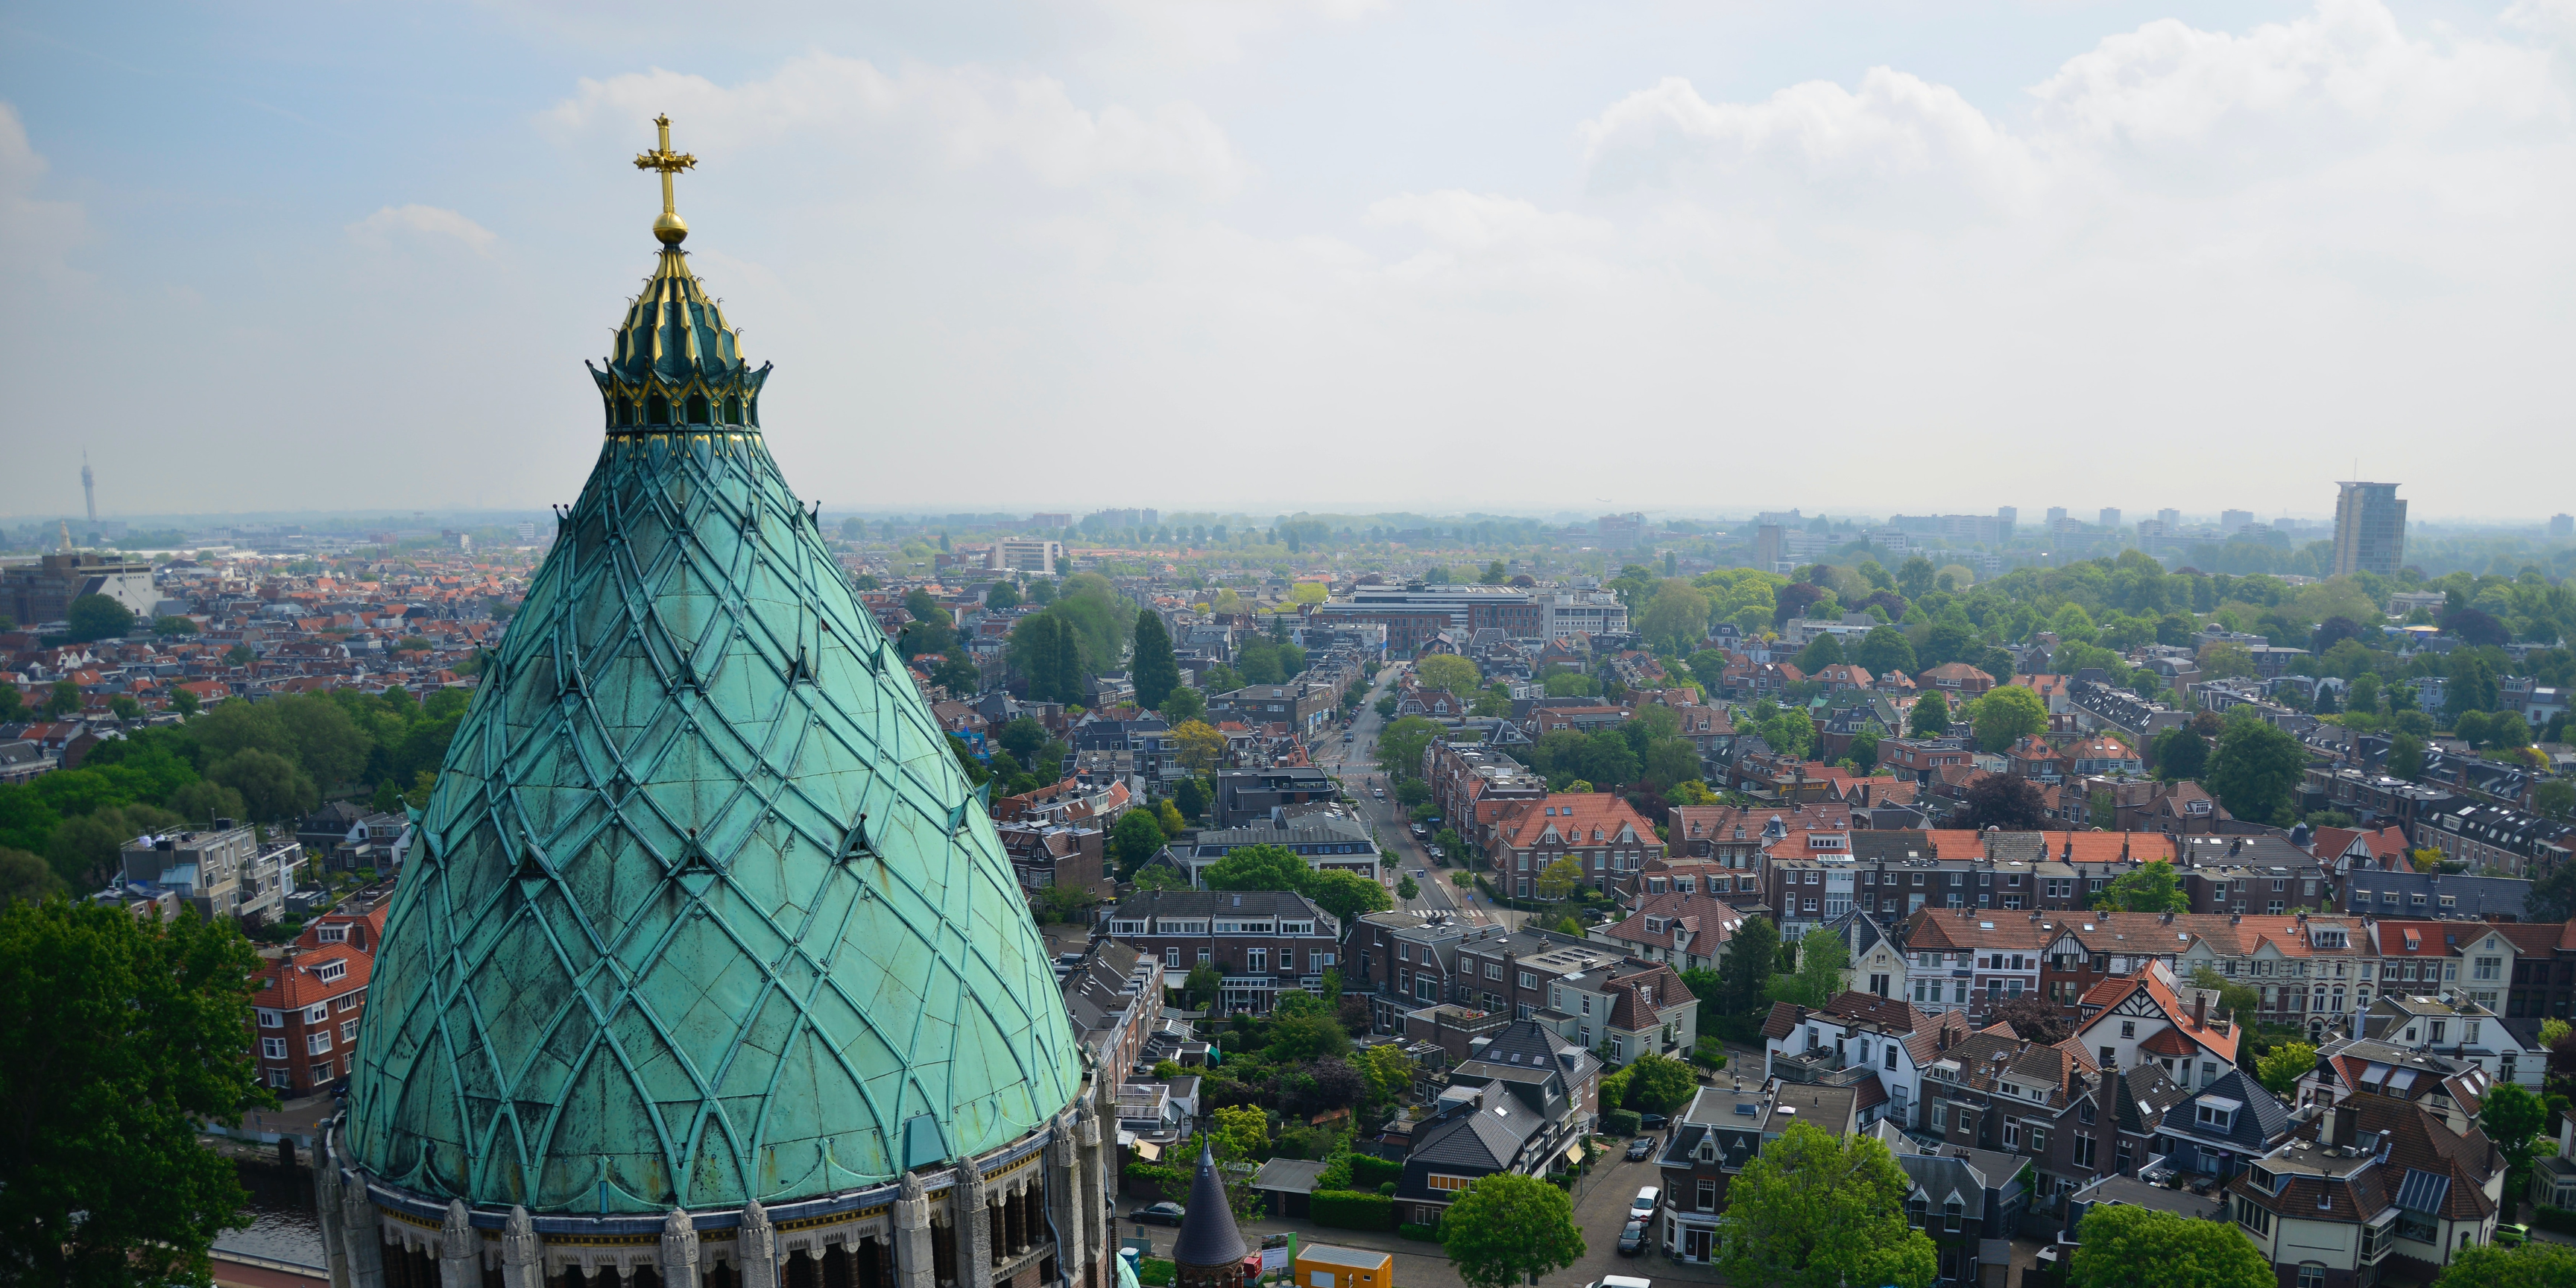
(1422, 829)
(1640, 1147)
(1347, 737)
(1158, 1214)
(2513, 1235)
(1632, 1239)
(1422, 872)
(1652, 1122)
(1434, 851)
(1639, 1208)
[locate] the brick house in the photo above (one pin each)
(1261, 942)
(1600, 831)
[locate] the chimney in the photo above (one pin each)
(2200, 1008)
(2343, 1123)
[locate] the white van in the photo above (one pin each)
(1620, 1281)
(1643, 1205)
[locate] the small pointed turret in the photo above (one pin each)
(1209, 1250)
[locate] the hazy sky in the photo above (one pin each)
(1852, 257)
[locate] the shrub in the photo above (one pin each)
(2555, 1220)
(1351, 1210)
(1621, 1122)
(1387, 1189)
(1153, 1273)
(1369, 1172)
(1426, 1233)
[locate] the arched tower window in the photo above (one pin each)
(752, 412)
(625, 411)
(657, 410)
(733, 409)
(697, 409)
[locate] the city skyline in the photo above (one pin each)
(2006, 250)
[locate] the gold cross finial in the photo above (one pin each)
(670, 228)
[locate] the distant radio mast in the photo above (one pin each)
(89, 489)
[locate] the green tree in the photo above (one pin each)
(1819, 977)
(2405, 756)
(239, 655)
(1508, 1228)
(1400, 745)
(1257, 867)
(26, 877)
(2125, 1246)
(1676, 619)
(1344, 894)
(1183, 705)
(63, 699)
(272, 788)
(1817, 1210)
(2280, 1068)
(1559, 879)
(1389, 1070)
(2256, 770)
(184, 701)
(1884, 649)
(2180, 754)
(2513, 1119)
(1930, 717)
(1659, 1084)
(1155, 670)
(1820, 652)
(1136, 838)
(1198, 746)
(173, 625)
(2555, 798)
(1745, 971)
(125, 707)
(1407, 889)
(124, 1035)
(2233, 998)
(1200, 987)
(1003, 596)
(83, 849)
(2150, 887)
(98, 617)
(2533, 1265)
(2007, 714)
(1306, 1037)
(1447, 672)
(1023, 737)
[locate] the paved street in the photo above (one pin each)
(1355, 764)
(1600, 1207)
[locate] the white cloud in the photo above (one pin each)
(41, 232)
(379, 229)
(925, 121)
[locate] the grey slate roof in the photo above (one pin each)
(2262, 1121)
(1208, 1234)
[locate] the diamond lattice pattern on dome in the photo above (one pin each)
(645, 951)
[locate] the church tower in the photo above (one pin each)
(706, 965)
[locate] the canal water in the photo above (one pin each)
(282, 1225)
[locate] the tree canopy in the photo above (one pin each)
(1448, 672)
(1931, 715)
(2125, 1246)
(98, 617)
(1508, 1228)
(1817, 1210)
(1154, 669)
(2149, 887)
(2256, 770)
(124, 1034)
(2007, 714)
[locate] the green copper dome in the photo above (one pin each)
(702, 909)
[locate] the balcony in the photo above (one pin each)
(1823, 1067)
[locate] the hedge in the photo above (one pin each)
(1351, 1210)
(1621, 1122)
(1426, 1233)
(1368, 1172)
(2555, 1220)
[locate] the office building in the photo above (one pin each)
(2111, 517)
(2232, 522)
(2370, 529)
